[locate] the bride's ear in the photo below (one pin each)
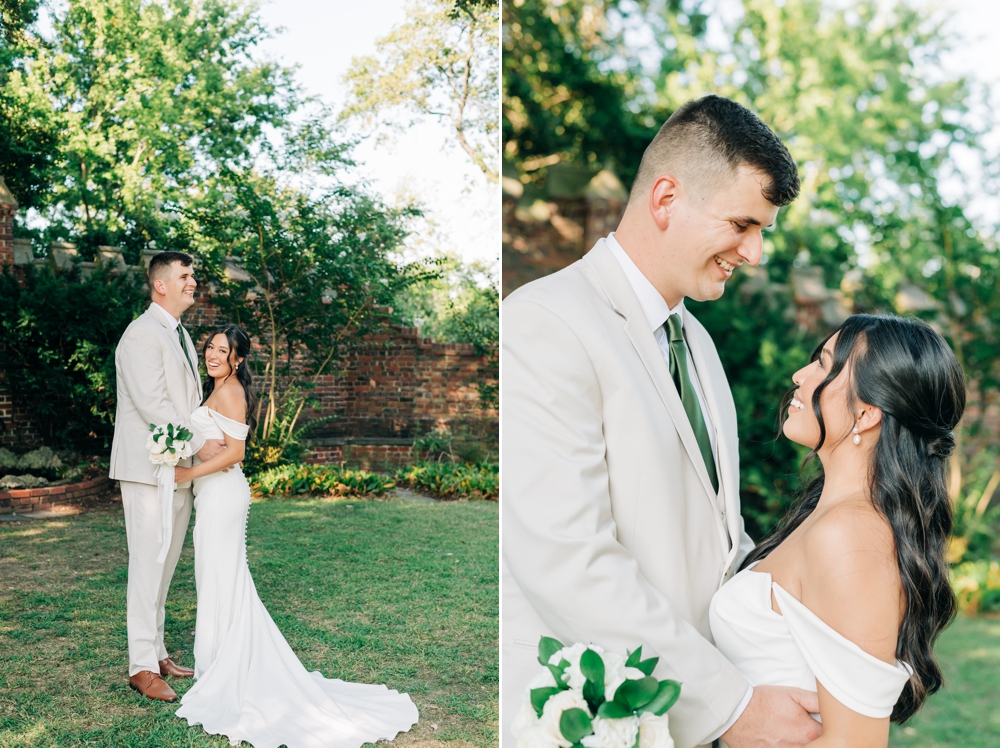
(868, 417)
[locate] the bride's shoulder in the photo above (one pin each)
(230, 401)
(850, 577)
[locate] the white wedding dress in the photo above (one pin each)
(249, 685)
(796, 648)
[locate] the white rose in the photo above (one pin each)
(573, 676)
(613, 681)
(525, 719)
(553, 709)
(613, 733)
(538, 737)
(654, 732)
(156, 458)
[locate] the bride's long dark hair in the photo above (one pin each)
(908, 371)
(239, 347)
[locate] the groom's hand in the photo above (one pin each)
(776, 717)
(210, 449)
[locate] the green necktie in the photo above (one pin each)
(180, 336)
(682, 379)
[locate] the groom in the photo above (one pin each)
(621, 513)
(158, 383)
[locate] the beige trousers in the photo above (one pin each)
(149, 581)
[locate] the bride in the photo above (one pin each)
(249, 685)
(848, 595)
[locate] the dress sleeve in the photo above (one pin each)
(858, 680)
(230, 427)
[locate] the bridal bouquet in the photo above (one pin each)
(589, 698)
(167, 445)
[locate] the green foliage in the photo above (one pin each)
(759, 351)
(436, 445)
(58, 334)
(324, 480)
(459, 303)
(452, 480)
(40, 463)
(132, 102)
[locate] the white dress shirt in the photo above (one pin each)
(171, 319)
(656, 311)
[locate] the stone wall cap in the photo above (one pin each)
(6, 196)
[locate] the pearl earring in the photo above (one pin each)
(857, 436)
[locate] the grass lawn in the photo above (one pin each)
(966, 712)
(396, 592)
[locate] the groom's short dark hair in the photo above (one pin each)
(162, 262)
(707, 139)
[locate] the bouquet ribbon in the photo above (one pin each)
(164, 475)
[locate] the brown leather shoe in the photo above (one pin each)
(152, 686)
(169, 667)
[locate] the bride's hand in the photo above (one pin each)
(181, 474)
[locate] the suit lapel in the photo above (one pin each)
(728, 463)
(612, 279)
(176, 346)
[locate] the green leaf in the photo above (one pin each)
(636, 693)
(592, 667)
(547, 646)
(152, 427)
(613, 710)
(647, 666)
(574, 724)
(667, 693)
(557, 673)
(539, 696)
(634, 658)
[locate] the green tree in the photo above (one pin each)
(305, 276)
(441, 63)
(148, 100)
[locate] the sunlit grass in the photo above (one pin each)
(966, 712)
(402, 593)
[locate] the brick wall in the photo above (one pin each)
(22, 501)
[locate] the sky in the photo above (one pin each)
(321, 38)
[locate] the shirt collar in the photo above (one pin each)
(171, 320)
(654, 308)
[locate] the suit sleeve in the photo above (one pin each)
(145, 380)
(559, 536)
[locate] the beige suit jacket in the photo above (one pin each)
(155, 385)
(612, 533)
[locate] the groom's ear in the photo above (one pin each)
(662, 197)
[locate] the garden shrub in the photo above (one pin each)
(58, 334)
(330, 480)
(977, 586)
(452, 480)
(40, 463)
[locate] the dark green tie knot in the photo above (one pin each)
(675, 328)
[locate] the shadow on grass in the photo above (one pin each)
(401, 593)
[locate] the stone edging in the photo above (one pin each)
(23, 500)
